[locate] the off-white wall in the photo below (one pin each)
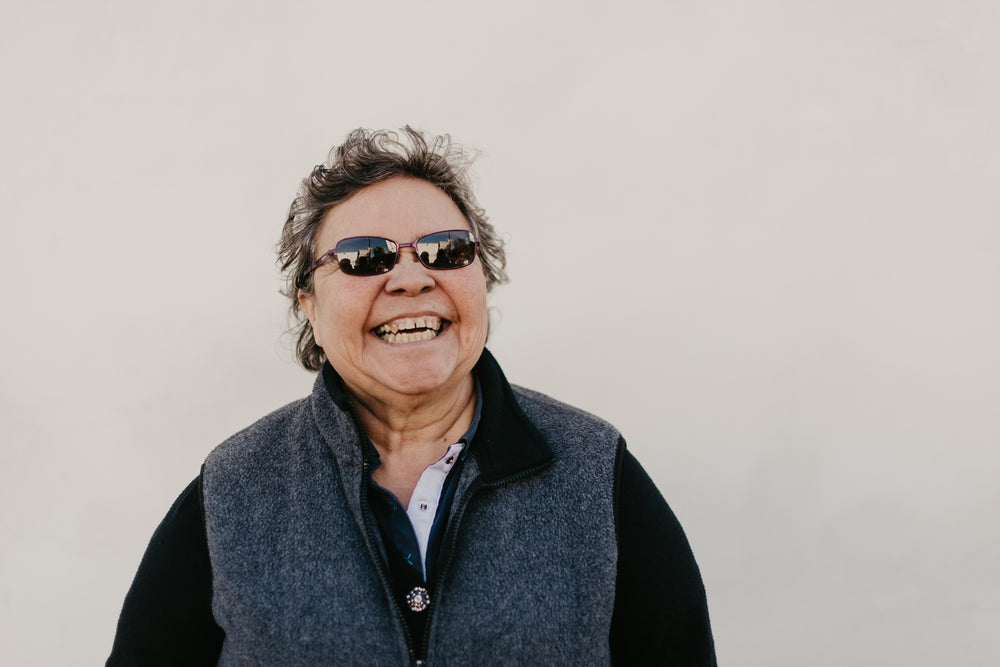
(802, 347)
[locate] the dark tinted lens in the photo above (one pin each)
(447, 250)
(366, 255)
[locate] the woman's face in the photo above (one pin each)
(350, 314)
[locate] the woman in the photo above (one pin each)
(416, 508)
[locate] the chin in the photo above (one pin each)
(423, 376)
(414, 388)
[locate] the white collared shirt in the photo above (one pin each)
(426, 496)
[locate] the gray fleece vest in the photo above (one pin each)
(528, 567)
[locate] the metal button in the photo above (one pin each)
(418, 599)
(423, 507)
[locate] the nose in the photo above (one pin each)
(409, 277)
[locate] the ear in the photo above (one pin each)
(308, 305)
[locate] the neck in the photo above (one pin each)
(412, 423)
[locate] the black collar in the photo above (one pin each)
(506, 442)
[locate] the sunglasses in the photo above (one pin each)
(374, 255)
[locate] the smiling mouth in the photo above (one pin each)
(409, 329)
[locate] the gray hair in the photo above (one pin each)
(367, 157)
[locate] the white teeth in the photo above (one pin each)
(403, 330)
(426, 334)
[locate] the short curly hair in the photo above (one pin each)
(367, 157)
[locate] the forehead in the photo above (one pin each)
(400, 208)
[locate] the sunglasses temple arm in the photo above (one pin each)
(323, 259)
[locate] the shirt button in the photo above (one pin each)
(423, 507)
(450, 460)
(418, 599)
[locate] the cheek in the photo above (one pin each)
(477, 312)
(335, 312)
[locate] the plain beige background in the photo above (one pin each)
(760, 237)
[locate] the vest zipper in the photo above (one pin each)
(451, 537)
(380, 566)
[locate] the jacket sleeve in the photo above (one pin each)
(661, 613)
(167, 615)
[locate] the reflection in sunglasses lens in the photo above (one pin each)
(365, 255)
(446, 250)
(373, 255)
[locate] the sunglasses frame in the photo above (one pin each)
(325, 257)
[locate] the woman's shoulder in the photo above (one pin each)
(548, 414)
(259, 438)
